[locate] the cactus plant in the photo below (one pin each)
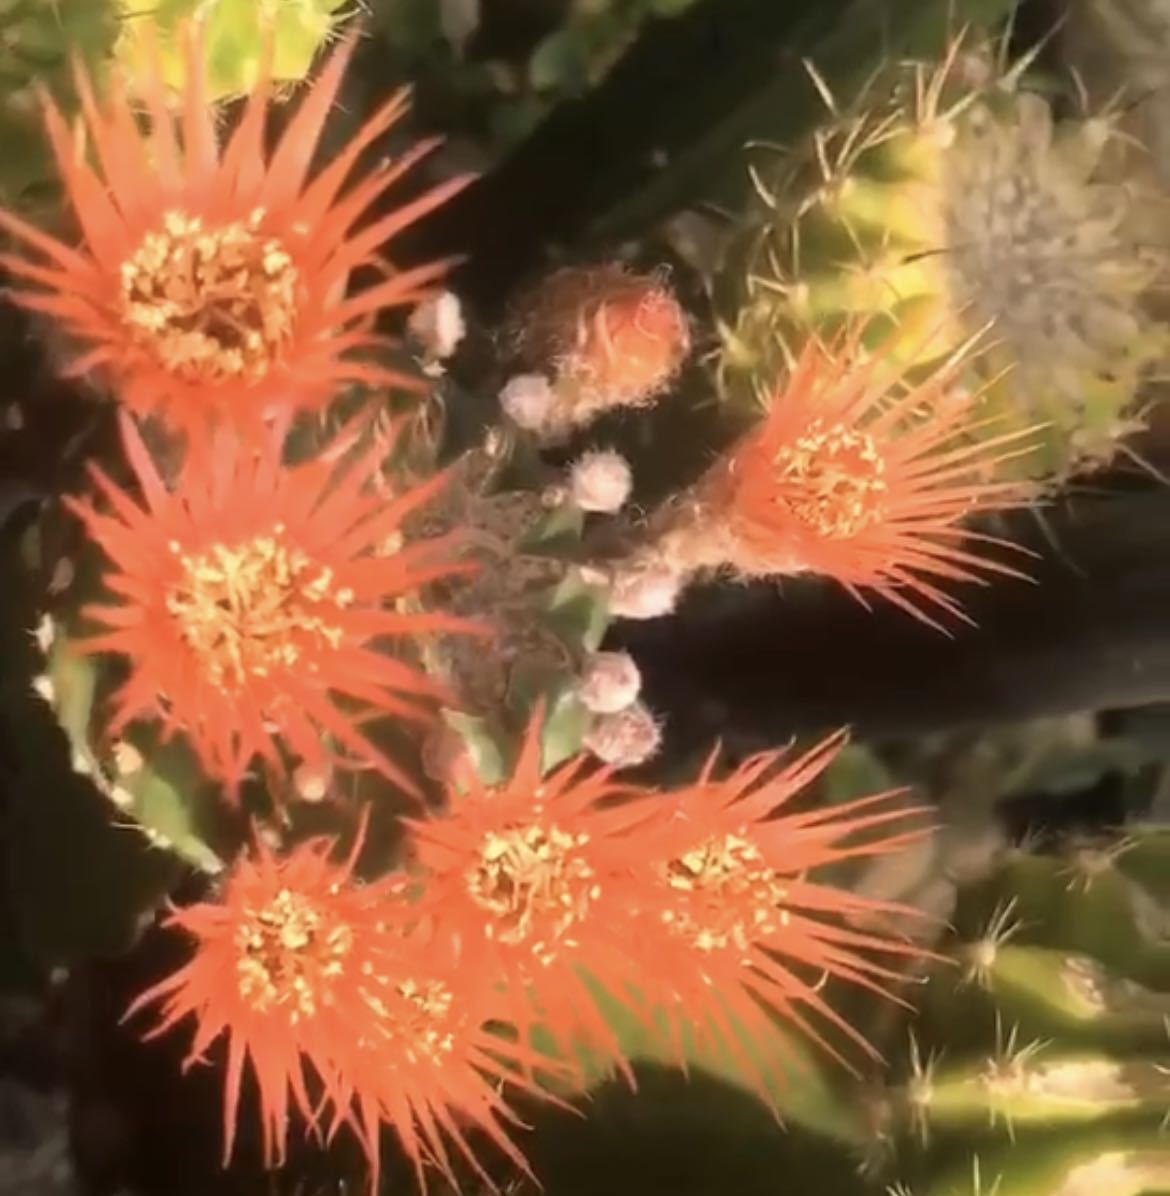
(37, 44)
(948, 201)
(329, 642)
(234, 36)
(1040, 1054)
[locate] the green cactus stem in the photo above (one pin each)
(949, 202)
(233, 32)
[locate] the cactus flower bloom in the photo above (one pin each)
(535, 877)
(860, 476)
(249, 600)
(310, 979)
(738, 908)
(209, 282)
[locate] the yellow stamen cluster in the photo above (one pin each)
(211, 303)
(832, 479)
(289, 953)
(733, 897)
(433, 1001)
(534, 881)
(255, 607)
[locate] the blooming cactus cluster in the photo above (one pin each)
(273, 609)
(529, 903)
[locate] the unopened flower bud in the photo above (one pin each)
(625, 739)
(601, 480)
(310, 783)
(528, 401)
(446, 757)
(437, 324)
(609, 682)
(644, 590)
(631, 344)
(611, 337)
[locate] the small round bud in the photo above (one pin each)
(446, 757)
(609, 682)
(645, 590)
(632, 342)
(601, 480)
(310, 784)
(437, 324)
(528, 401)
(625, 739)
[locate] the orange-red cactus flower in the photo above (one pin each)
(857, 475)
(209, 281)
(537, 879)
(430, 1067)
(282, 966)
(738, 923)
(251, 600)
(337, 1013)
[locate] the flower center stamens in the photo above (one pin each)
(287, 957)
(433, 1001)
(211, 303)
(833, 480)
(255, 607)
(534, 882)
(732, 897)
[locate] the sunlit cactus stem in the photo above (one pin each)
(949, 201)
(237, 34)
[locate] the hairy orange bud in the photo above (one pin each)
(609, 337)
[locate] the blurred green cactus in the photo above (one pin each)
(499, 95)
(39, 36)
(154, 785)
(543, 614)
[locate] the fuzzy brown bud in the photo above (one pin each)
(609, 682)
(611, 338)
(625, 739)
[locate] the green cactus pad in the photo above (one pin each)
(39, 38)
(234, 32)
(156, 785)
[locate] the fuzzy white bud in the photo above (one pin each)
(438, 325)
(528, 401)
(609, 682)
(625, 739)
(601, 480)
(644, 590)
